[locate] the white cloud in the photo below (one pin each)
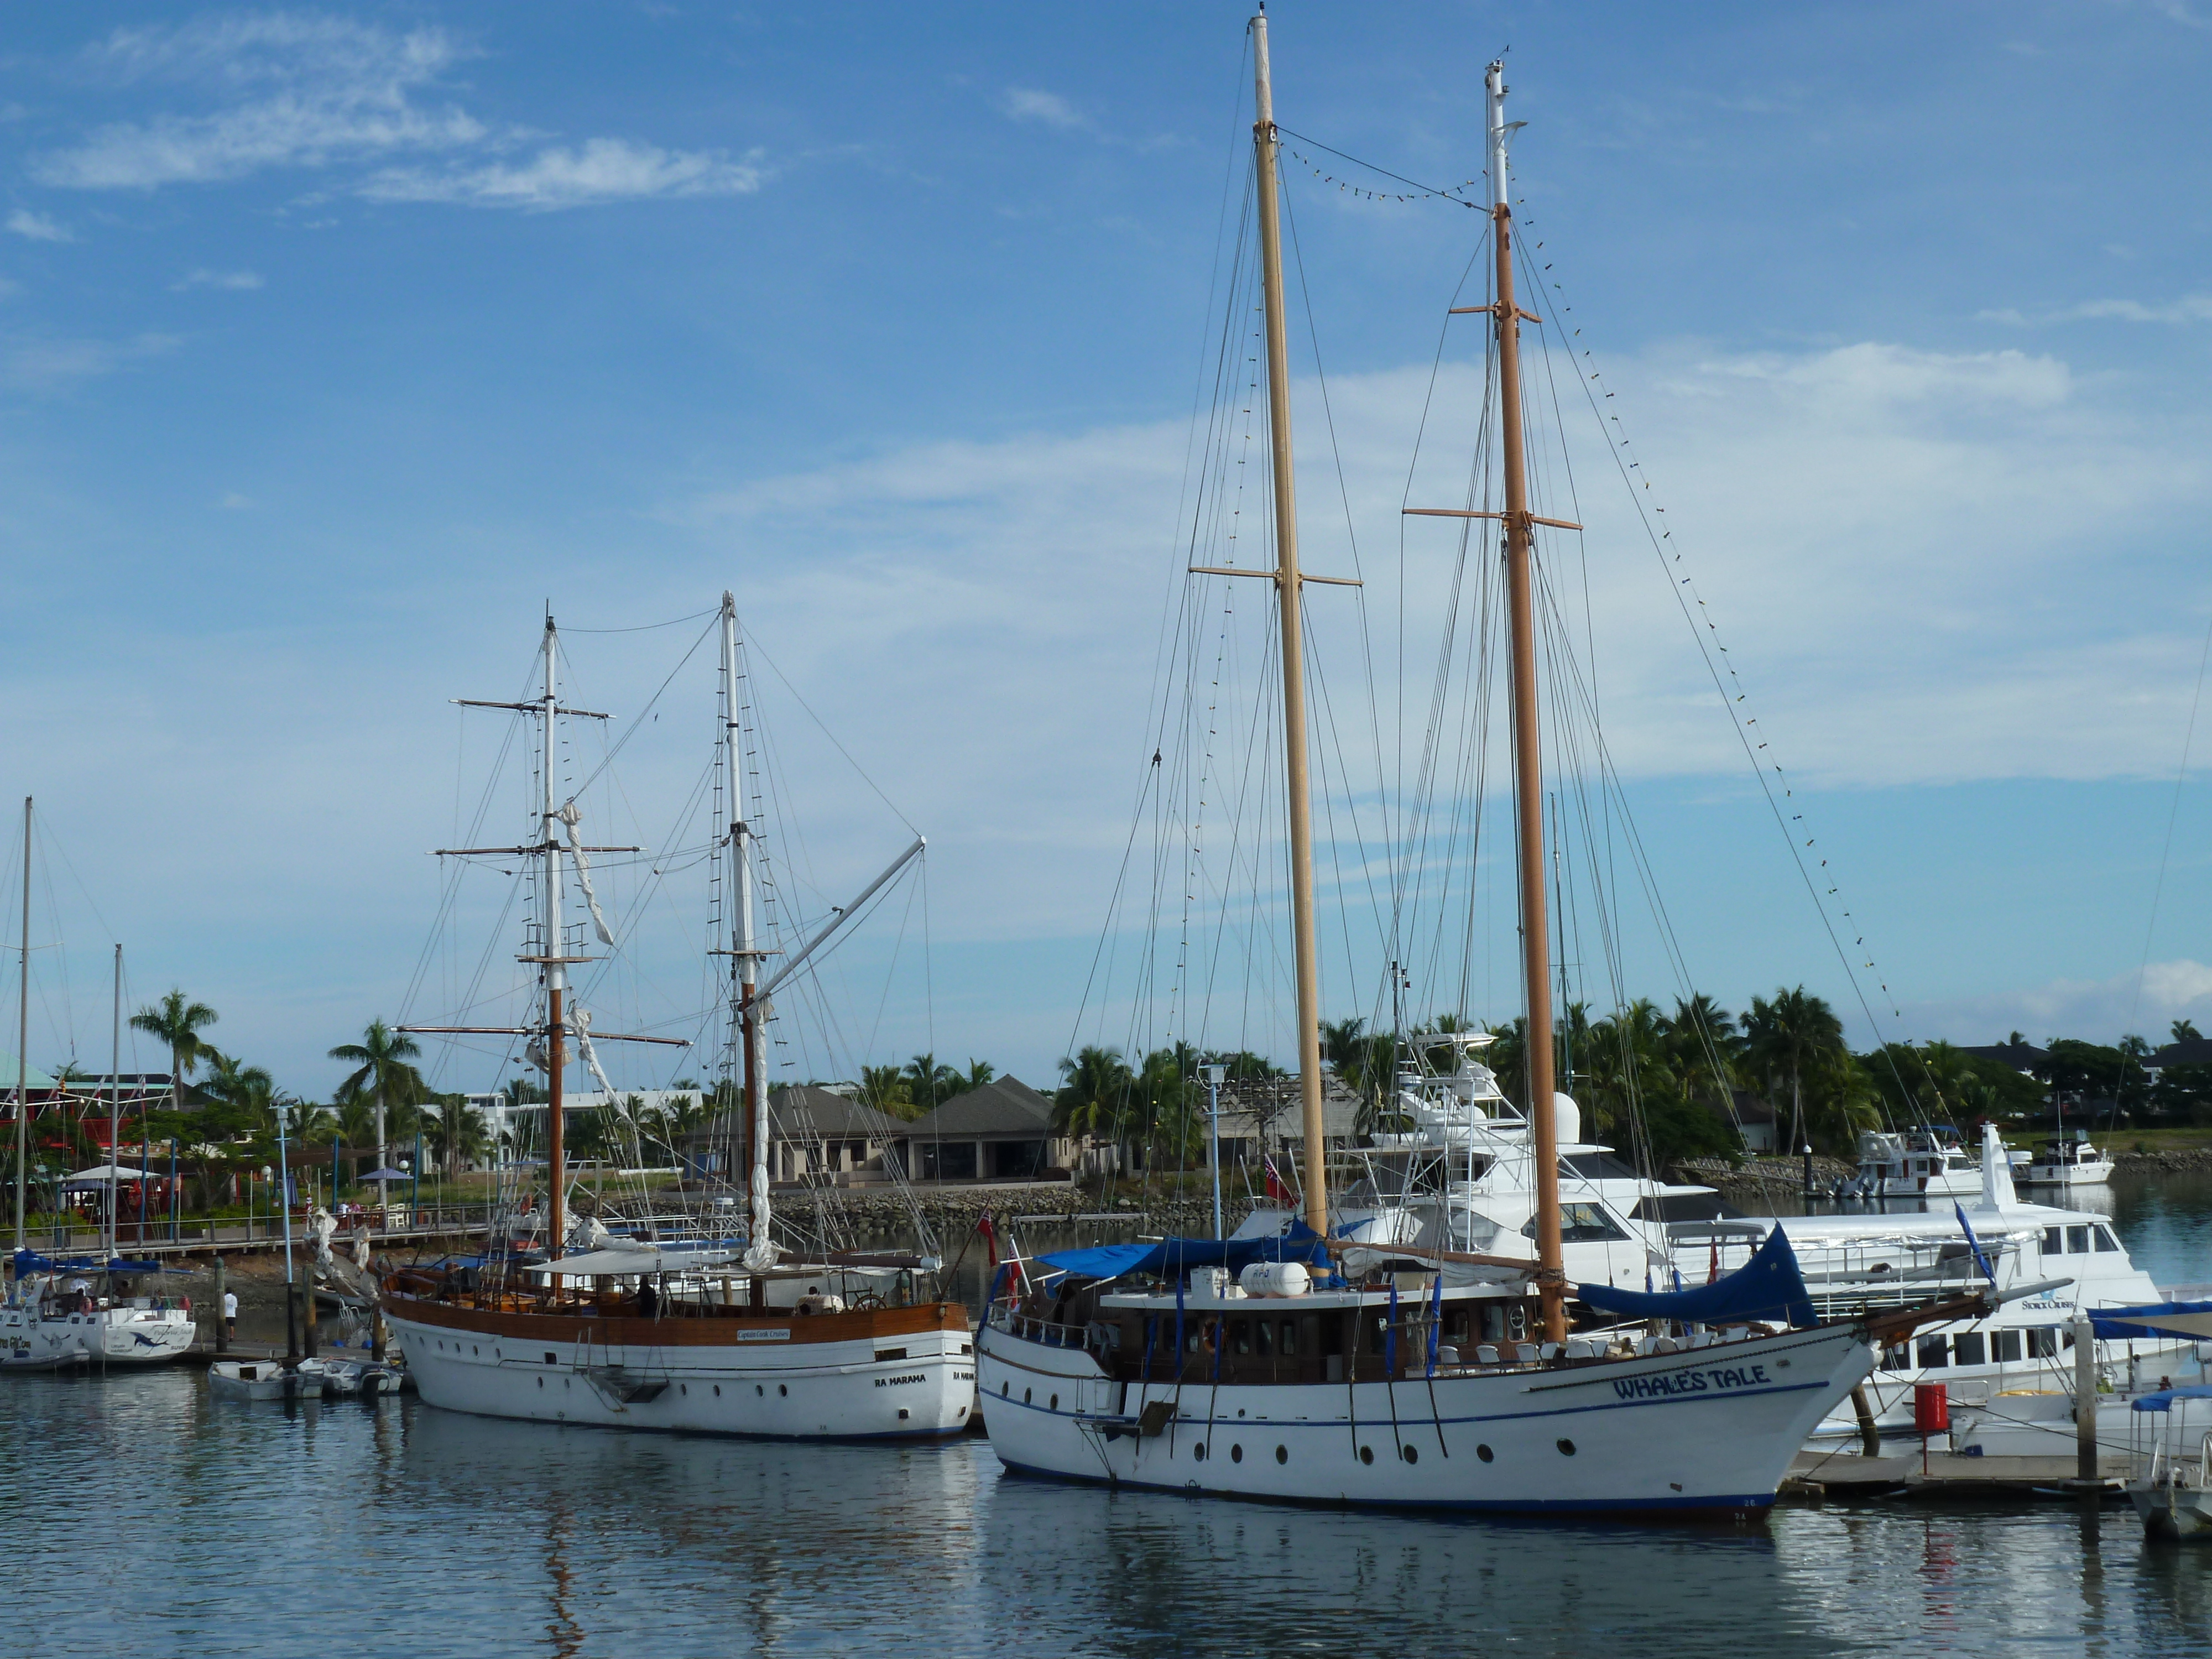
(297, 91)
(46, 365)
(291, 90)
(1048, 108)
(2099, 1010)
(2189, 309)
(39, 228)
(236, 281)
(602, 170)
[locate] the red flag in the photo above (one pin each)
(1276, 1192)
(1713, 1273)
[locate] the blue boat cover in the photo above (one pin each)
(29, 1261)
(2118, 1324)
(1177, 1256)
(1768, 1287)
(2164, 1399)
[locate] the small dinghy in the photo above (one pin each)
(2173, 1485)
(263, 1379)
(365, 1378)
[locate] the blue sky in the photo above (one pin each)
(335, 344)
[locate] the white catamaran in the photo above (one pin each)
(702, 1337)
(1311, 1366)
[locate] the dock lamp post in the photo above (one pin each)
(1213, 1074)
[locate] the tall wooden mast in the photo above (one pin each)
(1527, 748)
(550, 948)
(1288, 589)
(23, 1038)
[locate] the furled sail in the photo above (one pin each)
(1767, 1288)
(572, 818)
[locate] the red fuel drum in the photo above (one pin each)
(1931, 1408)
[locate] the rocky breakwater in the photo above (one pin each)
(2174, 1160)
(1764, 1186)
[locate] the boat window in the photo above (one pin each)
(1263, 1333)
(1968, 1348)
(2077, 1241)
(2053, 1241)
(1933, 1354)
(1290, 1348)
(1581, 1224)
(1240, 1334)
(2043, 1342)
(2106, 1241)
(2005, 1347)
(1899, 1358)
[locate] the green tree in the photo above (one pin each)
(384, 1079)
(886, 1088)
(457, 1132)
(2184, 1030)
(1095, 1094)
(1795, 1043)
(177, 1022)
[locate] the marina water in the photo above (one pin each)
(164, 1524)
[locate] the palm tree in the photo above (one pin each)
(306, 1122)
(1797, 1037)
(2184, 1030)
(886, 1089)
(981, 1075)
(457, 1132)
(383, 1077)
(177, 1023)
(929, 1084)
(245, 1094)
(1094, 1091)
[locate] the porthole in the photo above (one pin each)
(758, 1389)
(1198, 1452)
(541, 1382)
(1484, 1453)
(717, 1391)
(441, 1347)
(1282, 1453)
(683, 1387)
(1237, 1454)
(1566, 1449)
(1056, 1402)
(1003, 1387)
(1367, 1454)
(568, 1381)
(783, 1388)
(1025, 1396)
(474, 1350)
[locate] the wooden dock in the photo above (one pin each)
(1852, 1474)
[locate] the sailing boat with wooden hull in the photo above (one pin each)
(702, 1340)
(1329, 1371)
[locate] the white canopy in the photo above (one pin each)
(99, 1174)
(593, 1264)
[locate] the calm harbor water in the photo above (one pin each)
(150, 1520)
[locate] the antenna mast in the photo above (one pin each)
(23, 1036)
(745, 955)
(1288, 591)
(556, 966)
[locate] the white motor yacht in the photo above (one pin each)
(2067, 1161)
(1925, 1161)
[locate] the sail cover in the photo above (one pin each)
(2188, 1319)
(1176, 1256)
(30, 1261)
(1768, 1287)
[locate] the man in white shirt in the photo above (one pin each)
(230, 1314)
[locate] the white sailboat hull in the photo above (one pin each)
(1710, 1429)
(109, 1337)
(914, 1384)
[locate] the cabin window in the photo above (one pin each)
(1290, 1348)
(1581, 1224)
(2054, 1241)
(1933, 1353)
(2043, 1342)
(1332, 1338)
(1968, 1348)
(2077, 1241)
(1899, 1358)
(1263, 1333)
(1240, 1334)
(2004, 1346)
(2106, 1241)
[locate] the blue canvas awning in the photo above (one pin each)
(2190, 1320)
(1769, 1288)
(2164, 1399)
(1173, 1257)
(29, 1261)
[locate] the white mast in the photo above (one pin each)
(744, 954)
(556, 980)
(1289, 591)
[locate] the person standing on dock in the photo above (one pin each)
(230, 1315)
